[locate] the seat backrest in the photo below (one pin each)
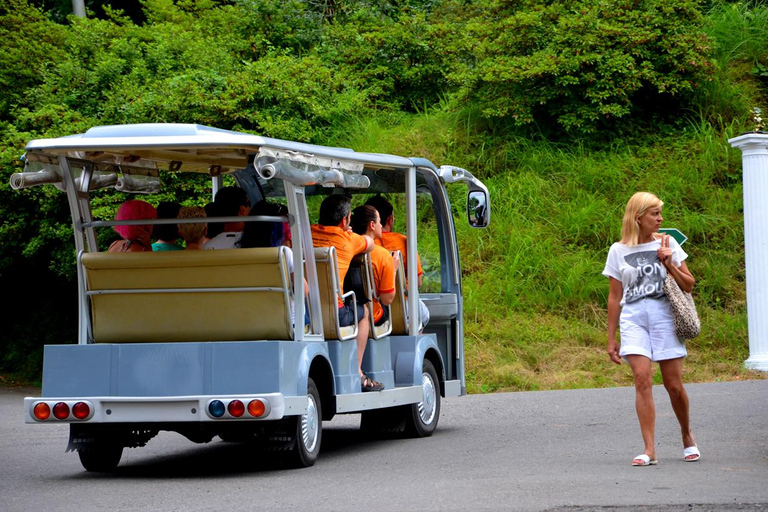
(223, 295)
(369, 282)
(330, 291)
(397, 312)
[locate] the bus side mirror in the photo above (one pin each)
(478, 211)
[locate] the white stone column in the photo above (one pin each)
(754, 151)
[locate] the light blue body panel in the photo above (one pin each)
(155, 370)
(177, 369)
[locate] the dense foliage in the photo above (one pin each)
(581, 64)
(477, 83)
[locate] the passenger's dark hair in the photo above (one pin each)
(362, 216)
(167, 232)
(228, 201)
(264, 234)
(382, 205)
(214, 228)
(334, 209)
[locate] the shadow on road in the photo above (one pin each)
(222, 459)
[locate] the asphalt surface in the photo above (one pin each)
(538, 451)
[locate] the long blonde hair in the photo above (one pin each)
(637, 205)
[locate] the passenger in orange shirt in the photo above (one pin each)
(366, 221)
(334, 230)
(393, 241)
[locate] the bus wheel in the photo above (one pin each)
(421, 421)
(309, 431)
(100, 457)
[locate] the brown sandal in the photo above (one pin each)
(368, 384)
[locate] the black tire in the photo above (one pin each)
(422, 418)
(101, 457)
(308, 432)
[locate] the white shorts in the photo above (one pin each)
(647, 329)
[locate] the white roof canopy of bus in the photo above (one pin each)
(202, 149)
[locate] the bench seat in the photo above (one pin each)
(222, 295)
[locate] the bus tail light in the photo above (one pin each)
(41, 411)
(81, 410)
(236, 408)
(61, 411)
(256, 408)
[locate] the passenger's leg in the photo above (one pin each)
(646, 410)
(672, 375)
(424, 313)
(363, 330)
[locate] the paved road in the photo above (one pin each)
(559, 450)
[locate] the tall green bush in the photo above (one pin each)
(583, 66)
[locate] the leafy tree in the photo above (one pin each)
(582, 65)
(31, 43)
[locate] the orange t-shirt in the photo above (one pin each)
(392, 241)
(383, 276)
(347, 245)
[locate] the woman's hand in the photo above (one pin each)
(681, 274)
(613, 351)
(665, 252)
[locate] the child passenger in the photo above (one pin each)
(135, 238)
(167, 234)
(194, 233)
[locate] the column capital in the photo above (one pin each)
(751, 143)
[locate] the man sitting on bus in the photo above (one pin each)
(334, 230)
(230, 202)
(393, 241)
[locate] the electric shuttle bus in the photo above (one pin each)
(203, 343)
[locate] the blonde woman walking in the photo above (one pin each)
(636, 268)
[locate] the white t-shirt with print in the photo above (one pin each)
(640, 270)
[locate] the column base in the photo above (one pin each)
(759, 362)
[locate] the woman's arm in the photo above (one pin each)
(683, 277)
(614, 311)
(681, 274)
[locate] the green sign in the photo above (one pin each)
(674, 233)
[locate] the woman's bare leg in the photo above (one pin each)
(646, 410)
(672, 374)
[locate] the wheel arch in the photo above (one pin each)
(433, 356)
(409, 356)
(321, 373)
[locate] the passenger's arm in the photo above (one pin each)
(368, 243)
(386, 298)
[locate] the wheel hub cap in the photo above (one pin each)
(309, 421)
(427, 405)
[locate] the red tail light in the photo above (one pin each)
(236, 408)
(61, 411)
(81, 410)
(42, 411)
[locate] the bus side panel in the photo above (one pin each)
(408, 355)
(343, 357)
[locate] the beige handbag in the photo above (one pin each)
(687, 324)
